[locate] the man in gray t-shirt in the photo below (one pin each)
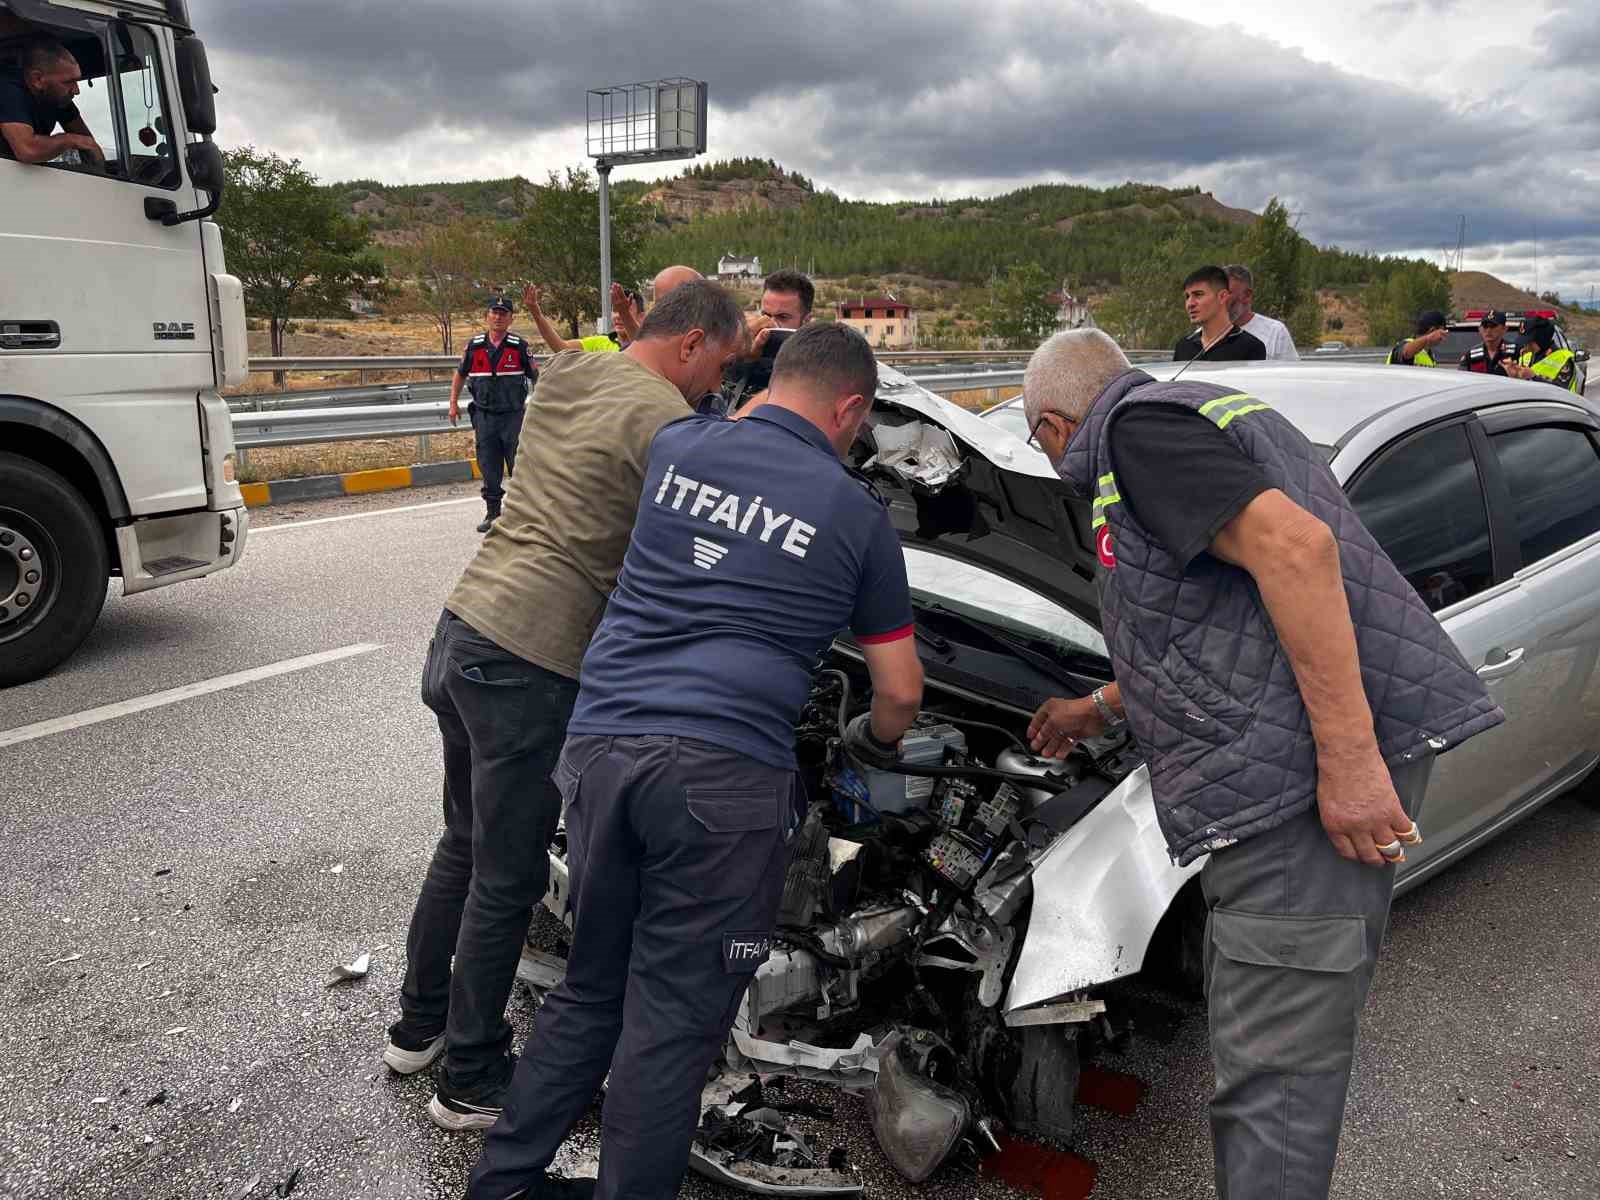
(1273, 334)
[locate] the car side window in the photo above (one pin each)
(1424, 504)
(1553, 474)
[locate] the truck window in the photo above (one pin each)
(122, 100)
(145, 123)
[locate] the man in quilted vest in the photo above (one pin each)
(1287, 740)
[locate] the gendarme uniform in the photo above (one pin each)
(1212, 699)
(499, 378)
(1559, 367)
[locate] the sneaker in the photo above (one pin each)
(406, 1054)
(459, 1110)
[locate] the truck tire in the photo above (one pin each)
(53, 569)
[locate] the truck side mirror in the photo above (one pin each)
(194, 85)
(206, 170)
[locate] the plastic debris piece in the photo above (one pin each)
(159, 1098)
(177, 1029)
(288, 1185)
(56, 962)
(101, 1100)
(350, 972)
(163, 871)
(149, 962)
(237, 1102)
(336, 869)
(247, 1189)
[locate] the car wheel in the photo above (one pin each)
(1044, 1090)
(1176, 959)
(53, 569)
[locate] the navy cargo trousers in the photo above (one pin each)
(677, 851)
(495, 433)
(1292, 944)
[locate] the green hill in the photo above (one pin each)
(1091, 236)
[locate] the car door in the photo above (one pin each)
(1544, 473)
(1423, 498)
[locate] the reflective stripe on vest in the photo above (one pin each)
(1106, 486)
(1224, 409)
(1551, 365)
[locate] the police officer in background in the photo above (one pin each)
(1490, 356)
(1541, 359)
(498, 371)
(1432, 327)
(753, 548)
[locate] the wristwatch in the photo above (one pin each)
(1103, 707)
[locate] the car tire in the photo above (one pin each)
(1044, 1090)
(1176, 959)
(50, 542)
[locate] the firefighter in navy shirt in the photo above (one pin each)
(754, 546)
(498, 370)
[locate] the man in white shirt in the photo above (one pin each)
(1273, 334)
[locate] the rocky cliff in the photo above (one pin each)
(683, 200)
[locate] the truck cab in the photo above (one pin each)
(118, 326)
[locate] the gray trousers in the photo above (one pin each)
(676, 852)
(1292, 943)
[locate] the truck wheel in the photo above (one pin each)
(53, 569)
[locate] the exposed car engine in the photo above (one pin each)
(907, 895)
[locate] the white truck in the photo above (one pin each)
(118, 325)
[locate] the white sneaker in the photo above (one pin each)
(404, 1060)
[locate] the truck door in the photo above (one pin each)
(114, 303)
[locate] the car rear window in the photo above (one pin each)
(1424, 504)
(1553, 472)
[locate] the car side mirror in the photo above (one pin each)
(1581, 355)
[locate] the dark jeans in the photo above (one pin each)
(503, 721)
(495, 434)
(1292, 943)
(677, 851)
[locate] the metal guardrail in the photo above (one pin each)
(447, 362)
(419, 409)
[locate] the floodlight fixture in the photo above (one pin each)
(653, 121)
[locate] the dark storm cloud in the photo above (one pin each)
(896, 96)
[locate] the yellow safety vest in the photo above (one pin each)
(598, 343)
(1420, 359)
(1550, 366)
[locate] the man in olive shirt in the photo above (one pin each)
(502, 676)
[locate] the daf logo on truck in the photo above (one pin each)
(123, 467)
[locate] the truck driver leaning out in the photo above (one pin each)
(35, 98)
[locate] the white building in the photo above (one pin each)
(731, 266)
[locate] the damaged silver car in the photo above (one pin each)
(947, 926)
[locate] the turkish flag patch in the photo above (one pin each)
(1102, 545)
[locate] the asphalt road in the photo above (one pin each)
(184, 877)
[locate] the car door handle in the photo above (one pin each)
(29, 335)
(1508, 662)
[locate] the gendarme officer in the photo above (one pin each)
(499, 372)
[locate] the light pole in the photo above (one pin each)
(634, 123)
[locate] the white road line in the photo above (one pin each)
(380, 512)
(123, 708)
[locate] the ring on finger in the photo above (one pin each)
(1412, 836)
(1391, 850)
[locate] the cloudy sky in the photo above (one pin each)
(1379, 121)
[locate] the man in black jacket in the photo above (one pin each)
(1216, 338)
